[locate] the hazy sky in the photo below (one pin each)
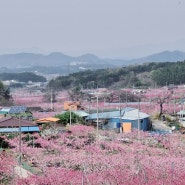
(106, 28)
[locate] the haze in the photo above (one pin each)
(106, 28)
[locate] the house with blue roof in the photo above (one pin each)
(116, 119)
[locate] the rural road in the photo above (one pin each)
(160, 126)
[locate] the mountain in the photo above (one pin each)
(88, 57)
(165, 56)
(53, 63)
(30, 59)
(63, 64)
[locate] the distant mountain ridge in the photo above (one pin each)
(165, 56)
(68, 64)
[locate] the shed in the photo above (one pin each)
(115, 119)
(137, 119)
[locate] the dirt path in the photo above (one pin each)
(21, 172)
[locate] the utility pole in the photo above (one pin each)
(51, 99)
(97, 113)
(138, 118)
(120, 107)
(20, 151)
(126, 98)
(70, 115)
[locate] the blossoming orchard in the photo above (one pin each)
(81, 156)
(78, 154)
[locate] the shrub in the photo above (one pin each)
(3, 143)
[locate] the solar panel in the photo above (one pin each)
(17, 109)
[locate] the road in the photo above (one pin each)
(160, 126)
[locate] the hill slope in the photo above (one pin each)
(64, 64)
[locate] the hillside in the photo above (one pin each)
(58, 63)
(139, 76)
(165, 56)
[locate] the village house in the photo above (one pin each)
(118, 119)
(12, 124)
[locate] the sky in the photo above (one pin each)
(106, 28)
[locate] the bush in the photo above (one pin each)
(176, 124)
(168, 118)
(3, 143)
(65, 118)
(156, 116)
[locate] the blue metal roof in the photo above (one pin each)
(9, 129)
(23, 129)
(30, 129)
(132, 114)
(104, 115)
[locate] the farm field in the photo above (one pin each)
(80, 154)
(172, 101)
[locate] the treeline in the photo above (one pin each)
(5, 96)
(144, 75)
(22, 77)
(171, 74)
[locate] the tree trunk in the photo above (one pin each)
(161, 110)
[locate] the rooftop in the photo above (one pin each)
(14, 122)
